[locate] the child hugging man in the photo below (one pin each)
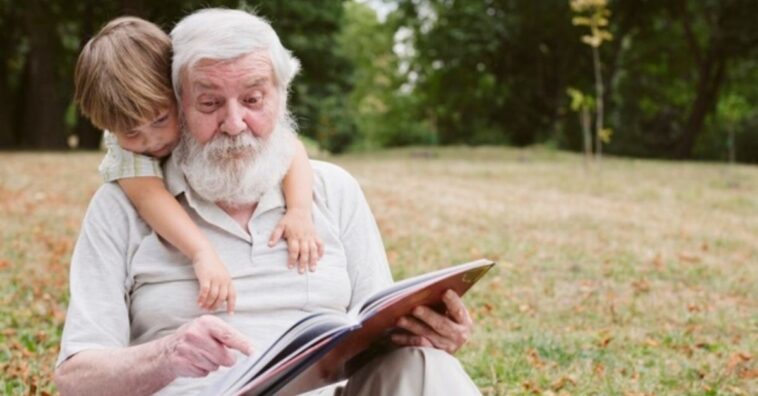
(123, 85)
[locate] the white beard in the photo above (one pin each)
(237, 171)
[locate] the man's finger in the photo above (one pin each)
(410, 340)
(420, 329)
(231, 338)
(456, 309)
(440, 324)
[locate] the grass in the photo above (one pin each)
(637, 277)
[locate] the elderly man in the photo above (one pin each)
(133, 327)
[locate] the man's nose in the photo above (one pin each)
(233, 123)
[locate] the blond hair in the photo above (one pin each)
(123, 75)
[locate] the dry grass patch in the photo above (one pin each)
(637, 278)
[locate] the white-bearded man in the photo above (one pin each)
(133, 326)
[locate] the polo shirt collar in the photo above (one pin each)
(177, 184)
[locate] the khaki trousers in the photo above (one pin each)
(407, 371)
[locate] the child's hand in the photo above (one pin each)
(305, 247)
(215, 283)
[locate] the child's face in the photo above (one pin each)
(155, 138)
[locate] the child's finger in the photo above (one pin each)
(276, 235)
(213, 297)
(320, 248)
(205, 288)
(305, 257)
(294, 250)
(314, 256)
(223, 294)
(231, 303)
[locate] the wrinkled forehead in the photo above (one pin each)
(255, 66)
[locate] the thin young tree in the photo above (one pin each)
(731, 110)
(594, 14)
(582, 104)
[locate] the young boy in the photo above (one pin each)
(123, 84)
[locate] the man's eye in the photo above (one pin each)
(253, 99)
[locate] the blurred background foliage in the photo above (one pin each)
(680, 77)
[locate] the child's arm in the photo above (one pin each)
(305, 247)
(164, 214)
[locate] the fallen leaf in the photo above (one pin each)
(562, 382)
(688, 257)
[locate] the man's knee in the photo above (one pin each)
(413, 371)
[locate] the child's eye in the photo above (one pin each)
(162, 119)
(131, 134)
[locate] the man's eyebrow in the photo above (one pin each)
(204, 85)
(256, 82)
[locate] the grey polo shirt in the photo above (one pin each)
(128, 286)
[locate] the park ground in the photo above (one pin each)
(632, 277)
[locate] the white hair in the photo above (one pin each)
(222, 34)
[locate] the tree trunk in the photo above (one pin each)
(43, 110)
(89, 136)
(598, 103)
(711, 74)
(586, 121)
(6, 130)
(8, 44)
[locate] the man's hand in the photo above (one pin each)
(201, 346)
(429, 328)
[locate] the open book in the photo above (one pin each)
(327, 347)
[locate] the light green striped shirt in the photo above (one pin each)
(121, 164)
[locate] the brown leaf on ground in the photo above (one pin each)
(749, 374)
(658, 261)
(534, 358)
(651, 342)
(737, 359)
(604, 340)
(598, 369)
(641, 286)
(687, 257)
(562, 382)
(531, 387)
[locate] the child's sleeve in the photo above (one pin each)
(121, 164)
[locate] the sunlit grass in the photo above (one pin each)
(638, 277)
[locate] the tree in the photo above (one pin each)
(732, 109)
(594, 14)
(582, 103)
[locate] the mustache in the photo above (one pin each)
(224, 146)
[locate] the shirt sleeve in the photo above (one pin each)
(367, 263)
(98, 313)
(121, 164)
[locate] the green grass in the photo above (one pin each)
(635, 277)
